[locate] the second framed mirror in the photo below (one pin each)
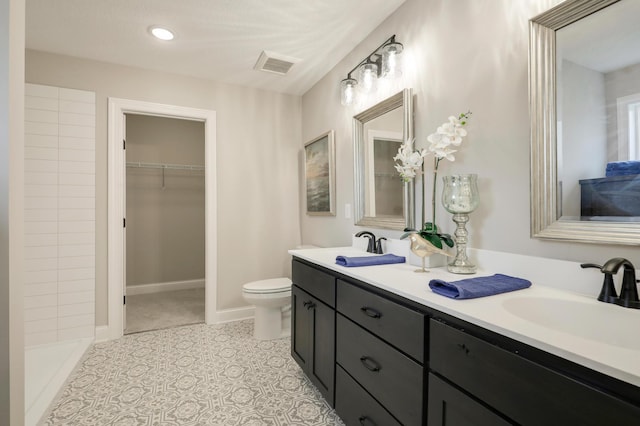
(382, 199)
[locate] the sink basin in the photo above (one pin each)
(592, 320)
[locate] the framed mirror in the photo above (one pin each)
(382, 199)
(584, 91)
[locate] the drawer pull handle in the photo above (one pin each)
(463, 347)
(370, 364)
(370, 312)
(364, 421)
(309, 304)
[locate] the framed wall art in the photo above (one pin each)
(319, 175)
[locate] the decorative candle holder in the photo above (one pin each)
(460, 197)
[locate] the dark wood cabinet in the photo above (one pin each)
(313, 325)
(610, 196)
(386, 360)
(521, 389)
(449, 406)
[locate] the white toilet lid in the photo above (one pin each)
(274, 285)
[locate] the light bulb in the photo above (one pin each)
(368, 76)
(347, 91)
(391, 60)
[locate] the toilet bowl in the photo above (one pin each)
(272, 301)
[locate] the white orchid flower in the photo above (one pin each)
(443, 152)
(448, 134)
(410, 160)
(434, 138)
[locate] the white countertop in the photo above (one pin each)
(601, 336)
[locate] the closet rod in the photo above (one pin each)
(163, 166)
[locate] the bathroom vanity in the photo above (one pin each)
(384, 350)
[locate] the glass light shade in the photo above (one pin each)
(347, 91)
(460, 193)
(368, 76)
(392, 60)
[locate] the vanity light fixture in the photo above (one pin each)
(384, 62)
(161, 33)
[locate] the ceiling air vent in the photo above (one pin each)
(275, 63)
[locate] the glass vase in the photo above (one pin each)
(460, 197)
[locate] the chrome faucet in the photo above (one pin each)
(371, 245)
(628, 292)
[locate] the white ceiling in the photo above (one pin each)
(604, 41)
(215, 39)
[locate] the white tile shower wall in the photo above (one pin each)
(59, 214)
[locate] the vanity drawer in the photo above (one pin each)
(397, 324)
(391, 377)
(317, 283)
(524, 391)
(356, 407)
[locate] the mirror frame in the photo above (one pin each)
(402, 99)
(545, 223)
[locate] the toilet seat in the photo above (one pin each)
(274, 285)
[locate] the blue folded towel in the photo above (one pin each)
(622, 168)
(369, 260)
(471, 288)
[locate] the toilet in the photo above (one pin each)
(272, 299)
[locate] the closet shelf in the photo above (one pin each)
(139, 165)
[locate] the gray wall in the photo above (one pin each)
(165, 225)
(619, 83)
(258, 144)
(459, 55)
(12, 18)
(584, 133)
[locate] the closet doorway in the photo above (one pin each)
(162, 215)
(165, 223)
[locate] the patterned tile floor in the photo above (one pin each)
(192, 375)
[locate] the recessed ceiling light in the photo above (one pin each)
(161, 33)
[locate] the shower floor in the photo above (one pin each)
(47, 368)
(154, 311)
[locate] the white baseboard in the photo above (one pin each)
(226, 315)
(102, 333)
(132, 290)
(236, 314)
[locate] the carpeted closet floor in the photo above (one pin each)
(155, 311)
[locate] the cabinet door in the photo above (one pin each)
(323, 344)
(300, 327)
(450, 407)
(313, 340)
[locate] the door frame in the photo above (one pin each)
(116, 202)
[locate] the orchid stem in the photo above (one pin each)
(423, 217)
(435, 186)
